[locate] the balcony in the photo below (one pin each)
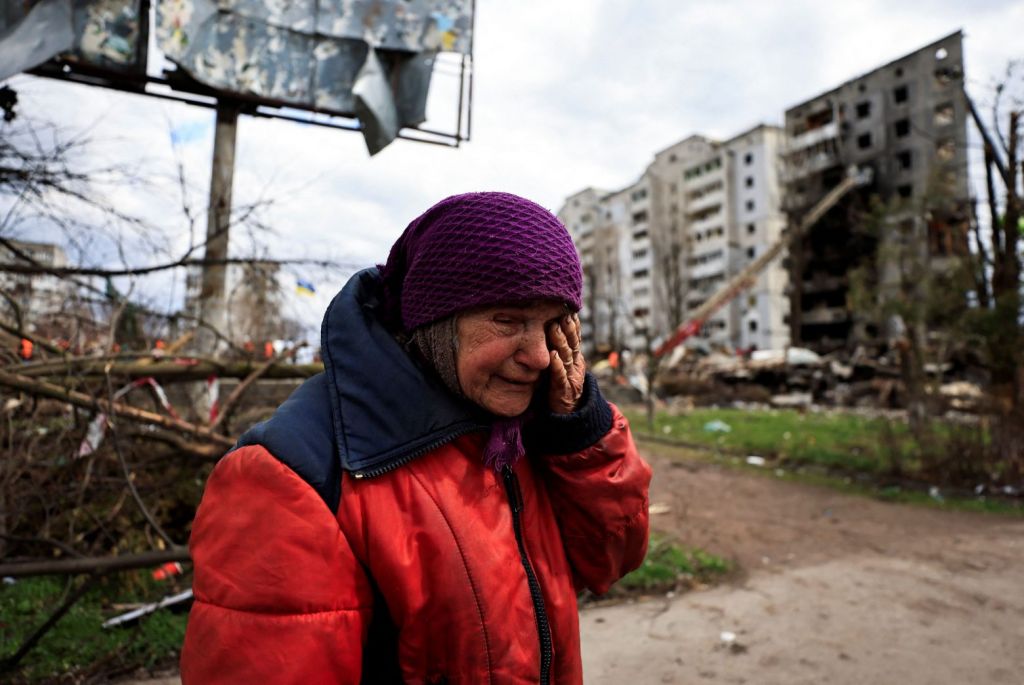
(813, 137)
(804, 161)
(705, 202)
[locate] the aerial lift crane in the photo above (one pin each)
(746, 278)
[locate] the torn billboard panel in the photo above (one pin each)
(106, 34)
(316, 54)
(371, 59)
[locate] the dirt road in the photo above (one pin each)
(835, 589)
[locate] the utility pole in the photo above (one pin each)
(213, 293)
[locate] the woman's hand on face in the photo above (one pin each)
(568, 366)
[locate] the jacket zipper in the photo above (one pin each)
(405, 459)
(515, 500)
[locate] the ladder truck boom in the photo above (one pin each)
(746, 278)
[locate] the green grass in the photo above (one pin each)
(77, 645)
(835, 440)
(846, 452)
(668, 565)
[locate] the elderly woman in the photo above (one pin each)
(426, 510)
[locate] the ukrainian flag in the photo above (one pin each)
(304, 287)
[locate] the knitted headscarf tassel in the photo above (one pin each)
(505, 445)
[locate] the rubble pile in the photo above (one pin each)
(797, 377)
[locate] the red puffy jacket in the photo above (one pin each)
(414, 563)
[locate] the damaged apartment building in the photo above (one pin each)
(654, 251)
(906, 123)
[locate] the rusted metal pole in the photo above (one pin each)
(213, 290)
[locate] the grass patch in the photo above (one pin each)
(868, 483)
(668, 566)
(829, 439)
(77, 646)
(943, 453)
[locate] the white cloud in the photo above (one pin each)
(567, 95)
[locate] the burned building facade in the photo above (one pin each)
(905, 122)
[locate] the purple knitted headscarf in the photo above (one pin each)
(480, 249)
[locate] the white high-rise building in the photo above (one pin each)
(38, 295)
(655, 250)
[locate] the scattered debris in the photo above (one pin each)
(728, 641)
(793, 356)
(168, 570)
(717, 426)
(792, 400)
(146, 609)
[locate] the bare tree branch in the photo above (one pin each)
(229, 405)
(92, 564)
(44, 389)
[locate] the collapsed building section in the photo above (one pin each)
(905, 122)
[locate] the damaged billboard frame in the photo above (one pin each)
(363, 65)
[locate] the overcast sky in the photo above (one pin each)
(567, 95)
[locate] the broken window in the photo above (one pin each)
(902, 128)
(944, 114)
(904, 159)
(751, 228)
(749, 181)
(753, 326)
(751, 251)
(905, 191)
(900, 94)
(863, 110)
(640, 235)
(946, 150)
(864, 141)
(640, 254)
(819, 119)
(748, 158)
(943, 77)
(640, 217)
(750, 205)
(641, 273)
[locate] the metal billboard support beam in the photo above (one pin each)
(213, 291)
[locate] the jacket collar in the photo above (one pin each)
(385, 410)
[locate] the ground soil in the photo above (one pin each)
(832, 588)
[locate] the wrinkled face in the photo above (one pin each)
(501, 353)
